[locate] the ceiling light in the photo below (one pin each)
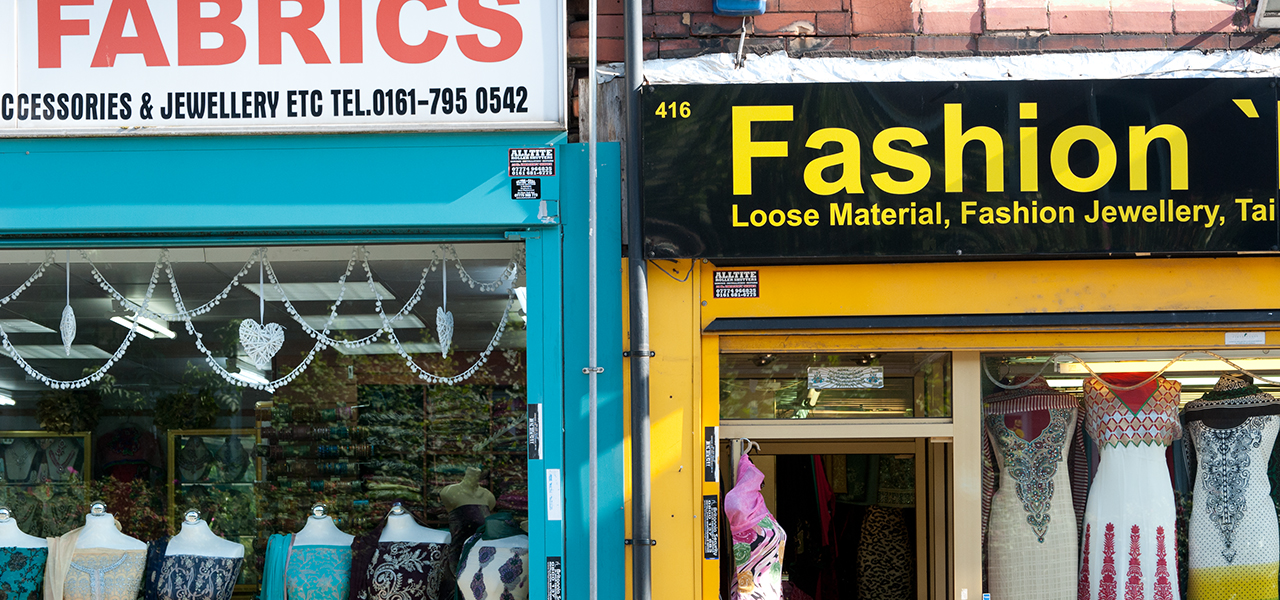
(249, 373)
(321, 291)
(250, 377)
(127, 324)
(56, 351)
(387, 348)
(150, 328)
(348, 322)
(1066, 383)
(23, 326)
(6, 399)
(160, 327)
(1182, 366)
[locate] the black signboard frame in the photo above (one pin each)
(921, 153)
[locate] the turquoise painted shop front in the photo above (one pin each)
(174, 191)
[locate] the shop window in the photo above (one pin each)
(251, 384)
(1131, 475)
(835, 385)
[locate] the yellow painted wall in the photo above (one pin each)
(676, 438)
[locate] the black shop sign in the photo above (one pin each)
(939, 170)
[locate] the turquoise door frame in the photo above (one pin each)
(611, 527)
(345, 189)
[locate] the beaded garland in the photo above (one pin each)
(323, 340)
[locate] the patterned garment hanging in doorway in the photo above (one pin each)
(758, 539)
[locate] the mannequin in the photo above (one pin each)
(95, 562)
(313, 564)
(13, 537)
(468, 505)
(401, 527)
(23, 559)
(193, 565)
(321, 531)
(401, 558)
(495, 561)
(102, 531)
(196, 539)
(758, 539)
(467, 491)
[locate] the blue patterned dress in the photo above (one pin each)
(21, 573)
(318, 573)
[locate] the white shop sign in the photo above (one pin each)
(188, 66)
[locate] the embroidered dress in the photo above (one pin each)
(489, 573)
(1031, 527)
(758, 540)
(1129, 542)
(1234, 539)
(318, 573)
(104, 574)
(399, 570)
(21, 572)
(186, 577)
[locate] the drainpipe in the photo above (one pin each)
(639, 308)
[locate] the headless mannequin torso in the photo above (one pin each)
(467, 491)
(401, 527)
(101, 531)
(321, 531)
(13, 537)
(196, 539)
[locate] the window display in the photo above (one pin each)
(1171, 454)
(218, 394)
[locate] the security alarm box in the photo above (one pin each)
(738, 8)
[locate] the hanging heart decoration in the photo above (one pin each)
(68, 328)
(260, 342)
(444, 329)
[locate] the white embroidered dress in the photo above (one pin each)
(1129, 546)
(1234, 539)
(1031, 531)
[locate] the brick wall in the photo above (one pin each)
(889, 28)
